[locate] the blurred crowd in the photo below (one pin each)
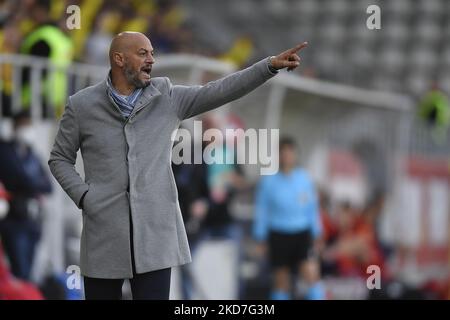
(40, 28)
(43, 28)
(100, 20)
(299, 237)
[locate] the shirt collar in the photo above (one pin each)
(117, 93)
(131, 99)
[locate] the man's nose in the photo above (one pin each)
(150, 60)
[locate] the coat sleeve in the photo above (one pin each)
(64, 154)
(190, 101)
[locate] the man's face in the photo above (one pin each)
(24, 132)
(138, 63)
(288, 157)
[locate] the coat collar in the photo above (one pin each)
(148, 93)
(145, 98)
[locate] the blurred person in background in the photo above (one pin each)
(329, 232)
(344, 250)
(356, 245)
(97, 44)
(205, 194)
(287, 224)
(12, 288)
(193, 199)
(26, 181)
(47, 40)
(434, 109)
(367, 228)
(223, 179)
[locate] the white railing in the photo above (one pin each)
(80, 75)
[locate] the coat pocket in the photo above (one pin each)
(89, 200)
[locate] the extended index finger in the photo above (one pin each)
(298, 47)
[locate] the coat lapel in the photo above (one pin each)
(144, 100)
(149, 93)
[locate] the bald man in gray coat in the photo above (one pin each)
(132, 224)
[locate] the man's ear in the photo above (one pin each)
(119, 59)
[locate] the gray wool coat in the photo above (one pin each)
(131, 199)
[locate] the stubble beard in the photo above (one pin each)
(132, 77)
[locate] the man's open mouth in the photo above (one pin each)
(146, 71)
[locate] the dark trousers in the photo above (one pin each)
(154, 285)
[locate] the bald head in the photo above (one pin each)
(131, 59)
(125, 42)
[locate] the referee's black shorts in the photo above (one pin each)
(289, 249)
